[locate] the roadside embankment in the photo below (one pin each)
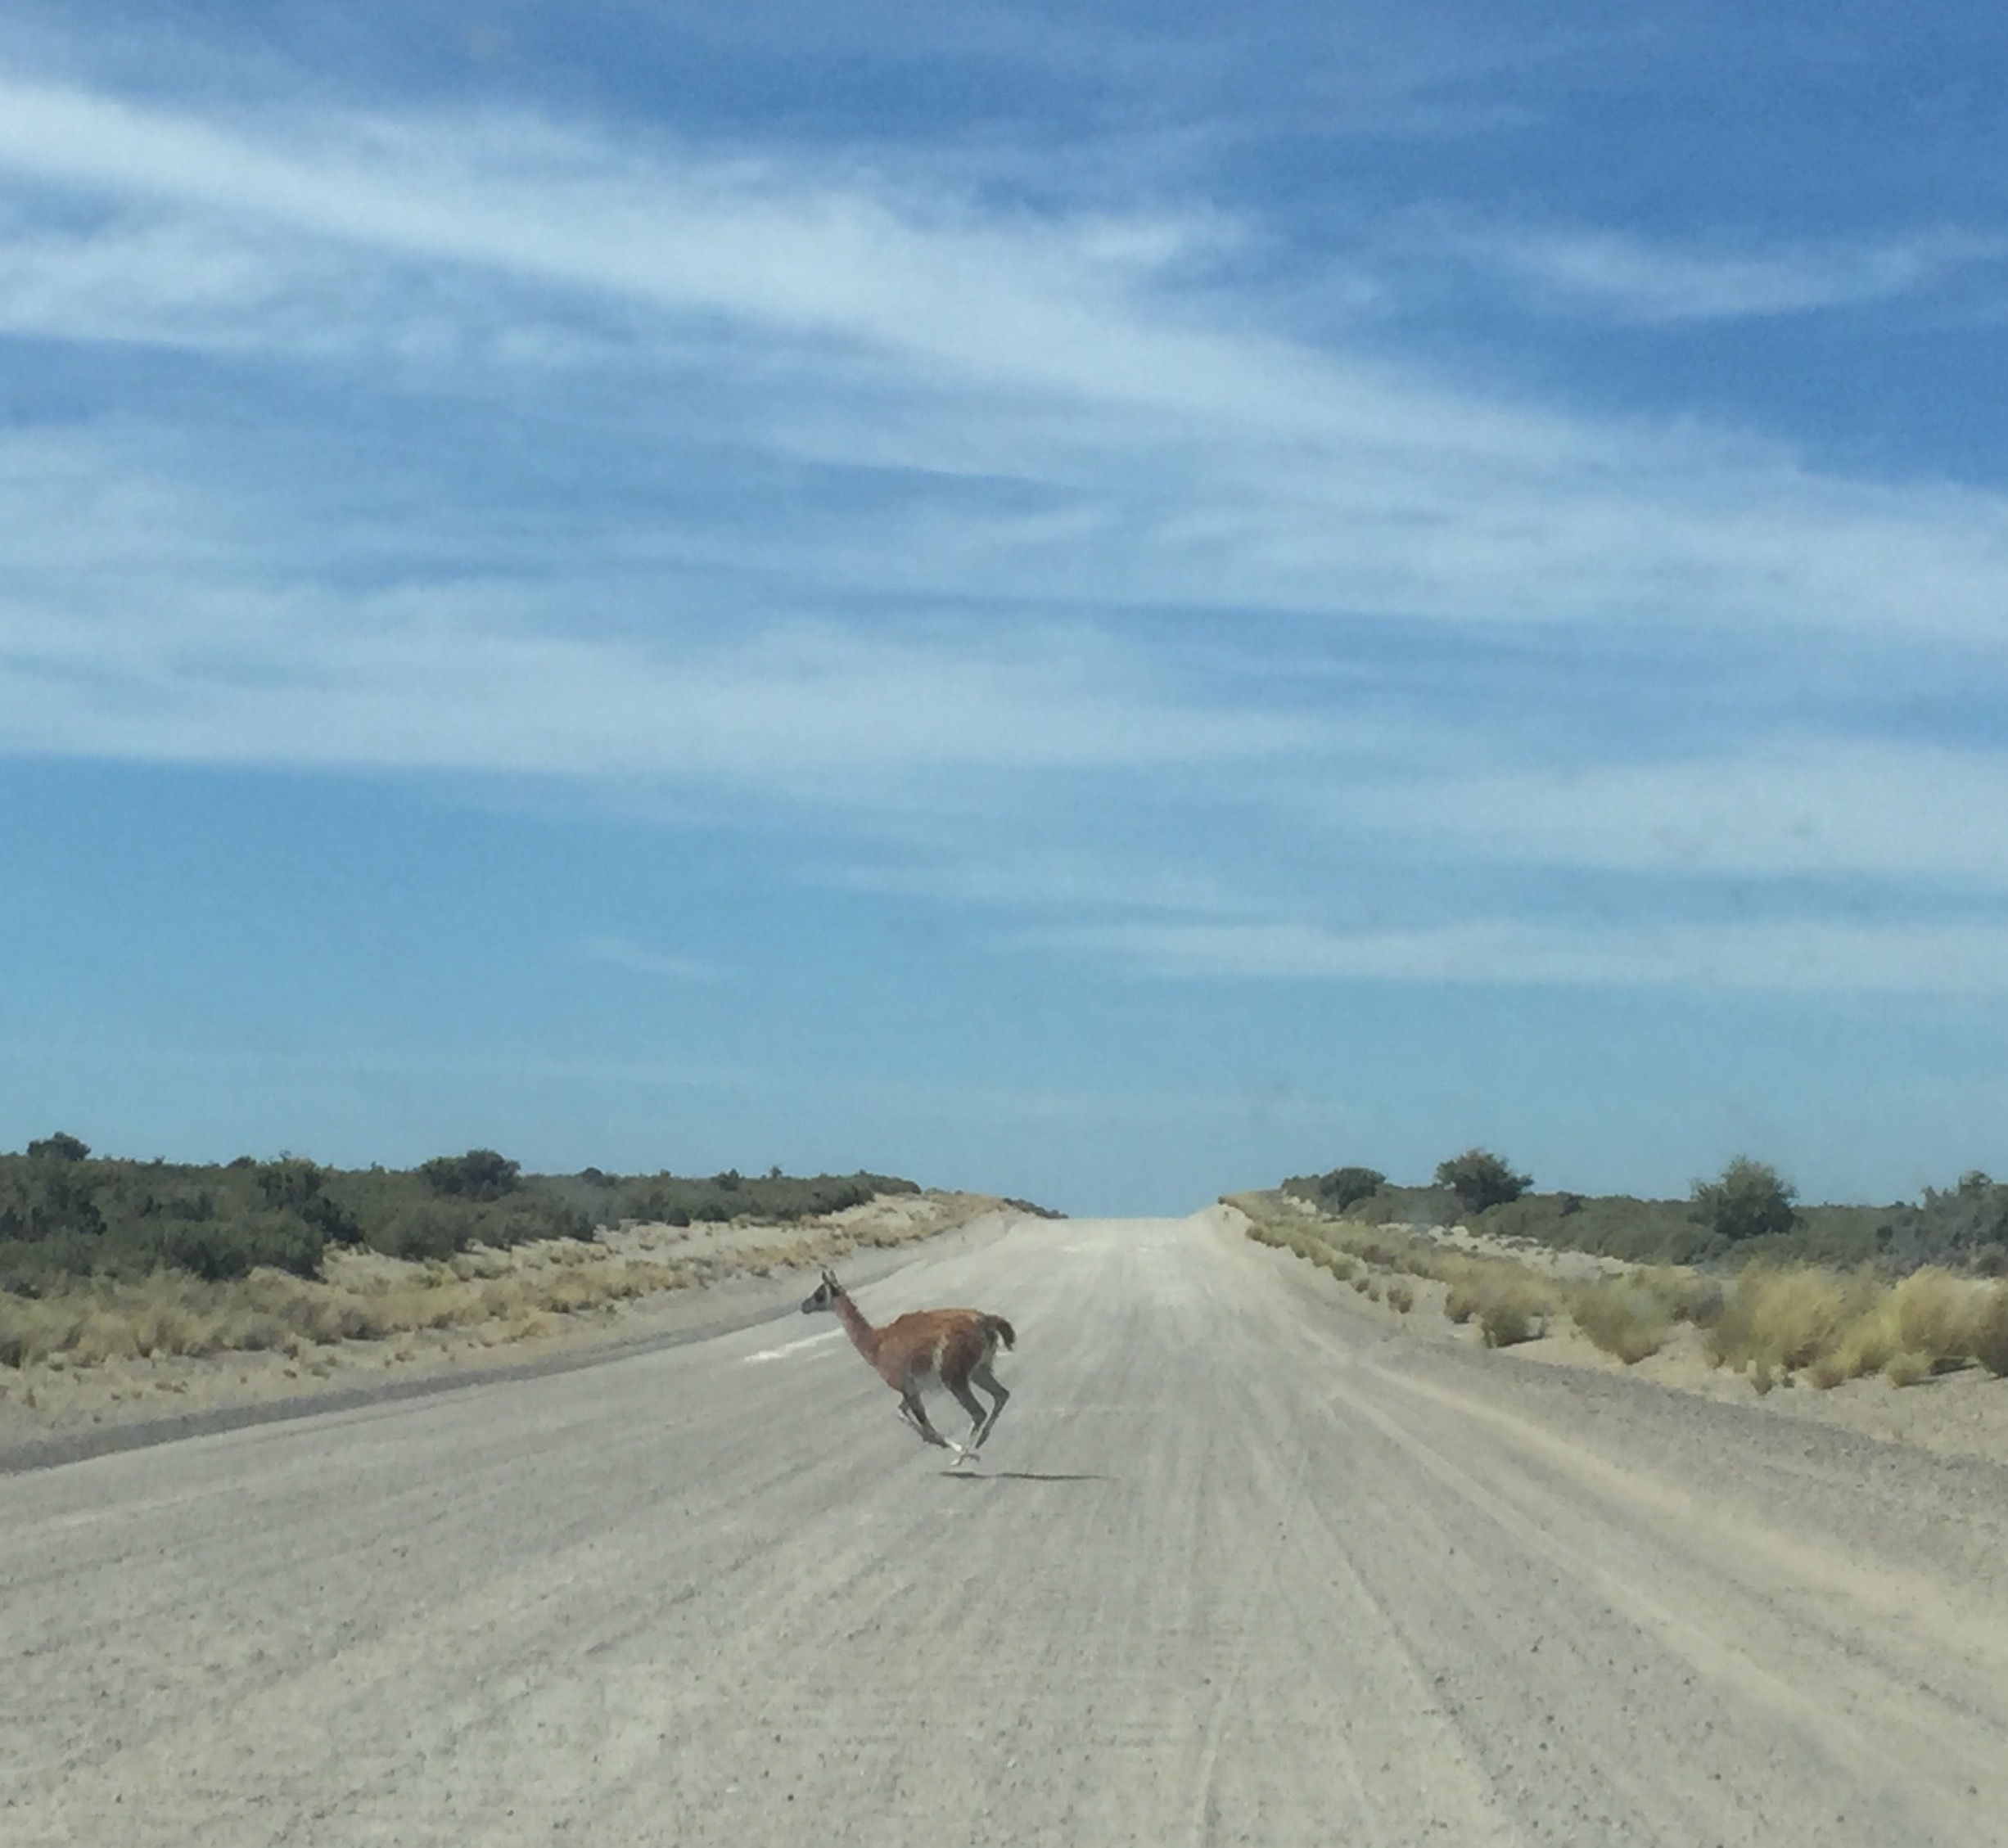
(1919, 1359)
(82, 1364)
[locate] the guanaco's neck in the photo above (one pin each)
(864, 1337)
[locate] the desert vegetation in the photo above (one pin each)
(65, 1213)
(1922, 1294)
(1748, 1213)
(1479, 1178)
(110, 1259)
(167, 1313)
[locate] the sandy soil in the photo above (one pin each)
(1964, 1413)
(737, 1271)
(1243, 1564)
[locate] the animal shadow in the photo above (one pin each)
(982, 1475)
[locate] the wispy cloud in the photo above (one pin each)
(1021, 302)
(1630, 277)
(441, 678)
(1876, 807)
(1152, 443)
(1786, 955)
(851, 486)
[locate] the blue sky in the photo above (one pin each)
(1102, 603)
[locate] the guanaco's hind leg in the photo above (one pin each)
(974, 1407)
(981, 1419)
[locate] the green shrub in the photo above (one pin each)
(1480, 1179)
(296, 1185)
(435, 1229)
(65, 1213)
(1969, 1221)
(59, 1147)
(670, 1200)
(479, 1174)
(220, 1248)
(1345, 1187)
(1747, 1201)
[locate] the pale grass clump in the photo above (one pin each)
(103, 1335)
(1838, 1326)
(1687, 1295)
(1510, 1303)
(1869, 1341)
(1515, 1310)
(1461, 1300)
(1623, 1316)
(1944, 1317)
(1633, 1316)
(1787, 1318)
(1990, 1333)
(1905, 1369)
(169, 1325)
(32, 1332)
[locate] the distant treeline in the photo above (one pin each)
(64, 1212)
(1747, 1212)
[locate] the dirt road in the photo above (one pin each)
(1241, 1567)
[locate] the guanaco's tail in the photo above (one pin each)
(999, 1329)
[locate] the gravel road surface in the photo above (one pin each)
(1242, 1566)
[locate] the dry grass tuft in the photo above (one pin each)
(1788, 1319)
(1514, 1311)
(1838, 1326)
(1905, 1369)
(1935, 1313)
(1624, 1317)
(1510, 1303)
(1990, 1333)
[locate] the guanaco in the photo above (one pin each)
(955, 1346)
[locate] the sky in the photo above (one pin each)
(1102, 603)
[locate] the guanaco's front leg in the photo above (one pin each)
(916, 1415)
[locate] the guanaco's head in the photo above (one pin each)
(826, 1295)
